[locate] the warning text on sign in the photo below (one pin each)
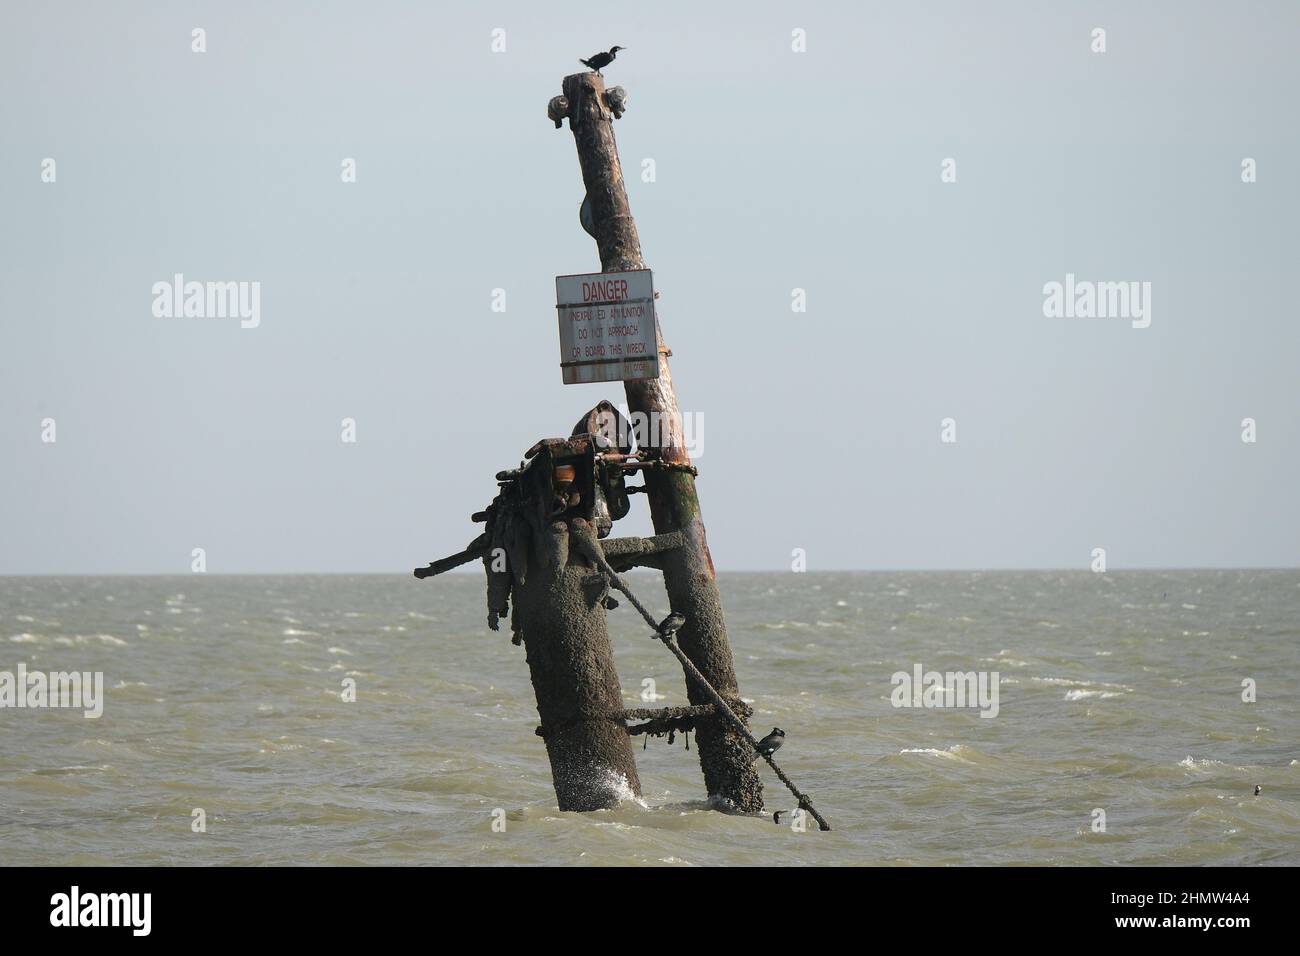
(607, 327)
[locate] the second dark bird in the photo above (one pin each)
(599, 61)
(772, 742)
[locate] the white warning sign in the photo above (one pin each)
(607, 326)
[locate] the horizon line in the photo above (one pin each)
(460, 573)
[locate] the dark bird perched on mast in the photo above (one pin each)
(772, 742)
(601, 60)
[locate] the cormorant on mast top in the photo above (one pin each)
(601, 60)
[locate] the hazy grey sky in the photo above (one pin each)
(775, 170)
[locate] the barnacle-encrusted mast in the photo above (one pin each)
(550, 571)
(726, 758)
(551, 566)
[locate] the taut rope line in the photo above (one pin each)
(666, 631)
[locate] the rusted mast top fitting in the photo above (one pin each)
(726, 757)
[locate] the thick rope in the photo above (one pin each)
(669, 718)
(663, 713)
(666, 632)
(804, 802)
(694, 710)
